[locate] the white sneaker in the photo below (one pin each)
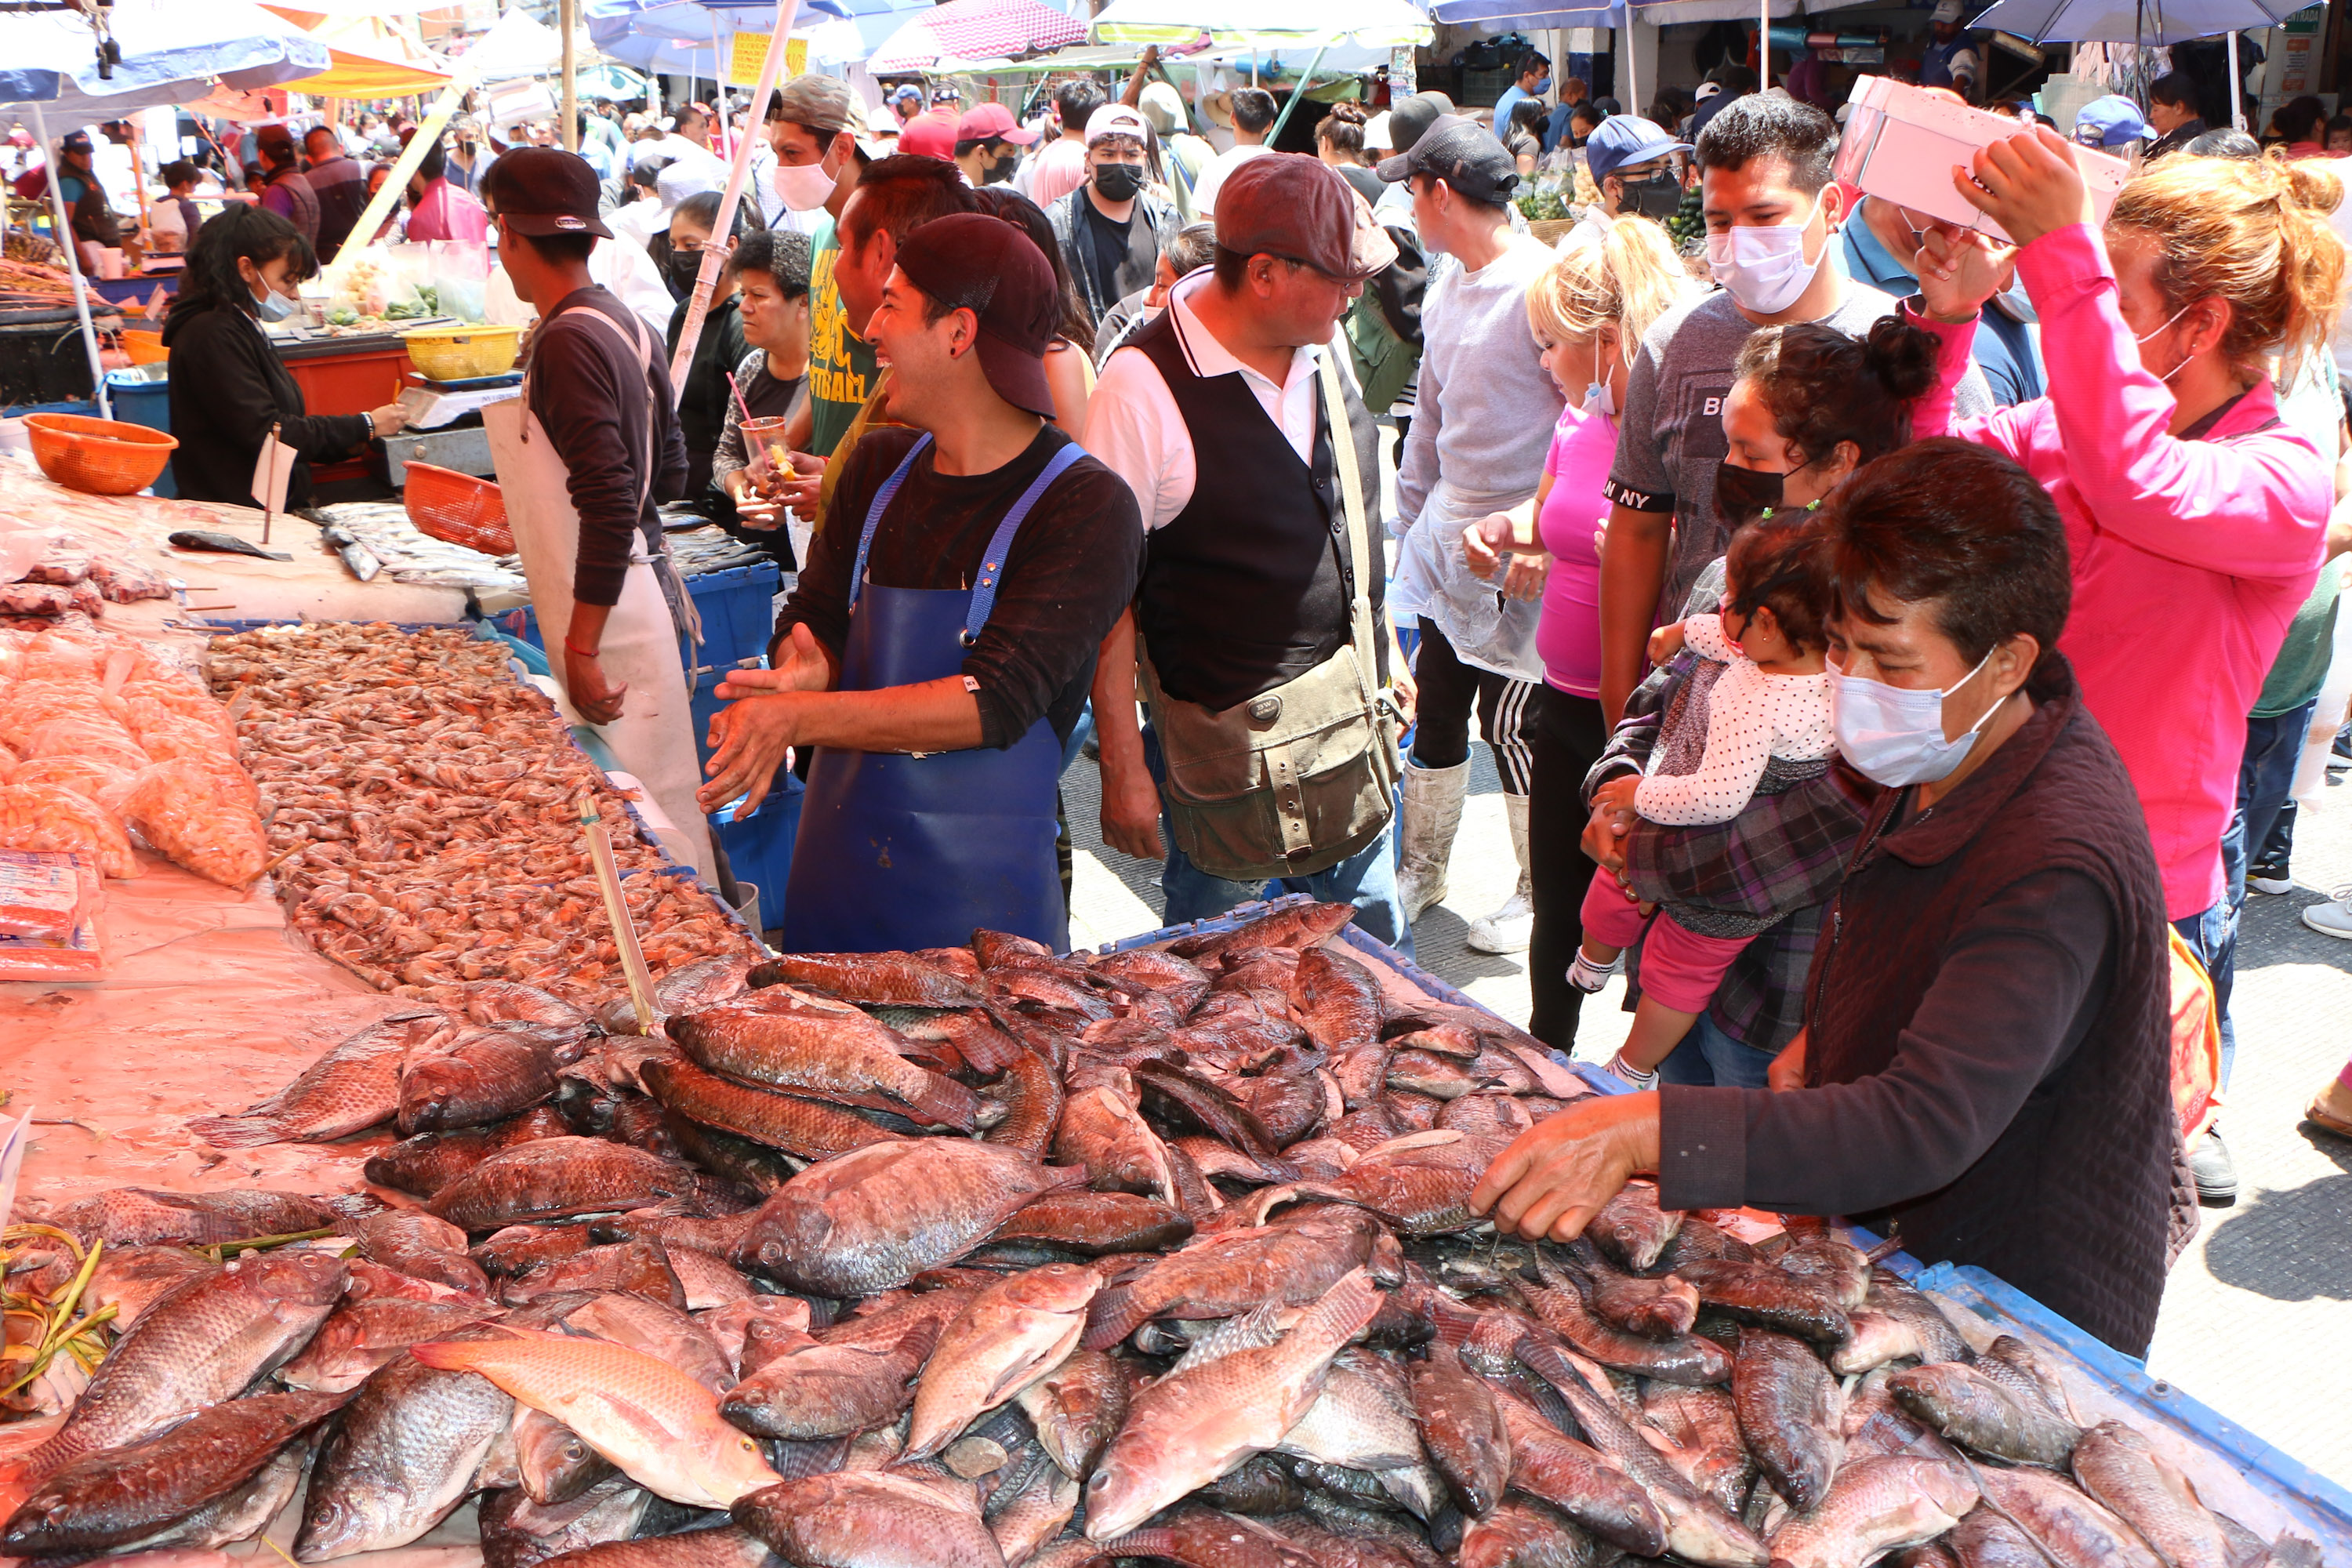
(2272, 885)
(2333, 918)
(1631, 1074)
(1509, 929)
(1589, 977)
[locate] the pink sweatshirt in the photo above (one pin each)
(2189, 557)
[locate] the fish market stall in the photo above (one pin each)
(988, 1255)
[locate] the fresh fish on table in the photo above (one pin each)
(1292, 926)
(850, 1378)
(658, 1329)
(1077, 1409)
(803, 1128)
(1983, 1416)
(204, 1343)
(1770, 1298)
(400, 1459)
(873, 1219)
(872, 1519)
(1875, 1506)
(2118, 1466)
(1525, 1533)
(1004, 1339)
(2017, 1366)
(364, 1334)
(354, 1087)
(556, 1178)
(131, 1280)
(516, 1249)
(1791, 1416)
(426, 1163)
(1335, 999)
(1362, 1422)
(2078, 1530)
(423, 1247)
(1419, 1184)
(1232, 1395)
(124, 1495)
(661, 1428)
(640, 1268)
(1658, 1307)
(724, 1546)
(518, 1532)
(849, 1061)
(1684, 1358)
(1632, 1229)
(1104, 1133)
(480, 1075)
(1463, 1427)
(554, 1462)
(1094, 1222)
(146, 1217)
(1581, 1482)
(872, 979)
(1292, 1261)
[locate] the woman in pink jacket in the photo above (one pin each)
(2196, 520)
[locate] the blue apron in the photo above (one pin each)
(898, 851)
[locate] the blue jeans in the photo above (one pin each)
(1366, 878)
(1708, 1057)
(2274, 746)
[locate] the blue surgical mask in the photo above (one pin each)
(272, 306)
(1894, 735)
(1543, 84)
(1597, 399)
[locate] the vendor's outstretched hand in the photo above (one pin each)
(2028, 183)
(1556, 1175)
(749, 742)
(803, 668)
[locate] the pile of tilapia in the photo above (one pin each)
(984, 1257)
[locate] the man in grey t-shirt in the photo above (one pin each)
(1771, 216)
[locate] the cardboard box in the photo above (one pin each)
(1901, 142)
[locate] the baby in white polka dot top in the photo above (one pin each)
(1772, 699)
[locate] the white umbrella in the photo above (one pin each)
(1252, 24)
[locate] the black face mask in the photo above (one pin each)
(1118, 181)
(996, 174)
(1653, 196)
(683, 266)
(1743, 495)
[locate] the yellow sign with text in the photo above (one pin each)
(748, 52)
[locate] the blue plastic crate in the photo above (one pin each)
(737, 607)
(142, 399)
(759, 847)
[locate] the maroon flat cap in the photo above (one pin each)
(1298, 207)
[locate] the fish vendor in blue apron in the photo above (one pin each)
(937, 649)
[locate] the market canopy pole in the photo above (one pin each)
(73, 262)
(1295, 93)
(2237, 87)
(567, 14)
(714, 255)
(428, 135)
(1763, 46)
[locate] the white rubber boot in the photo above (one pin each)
(1512, 927)
(1432, 814)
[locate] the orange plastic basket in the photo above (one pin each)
(98, 456)
(144, 347)
(457, 508)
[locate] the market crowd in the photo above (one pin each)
(1893, 648)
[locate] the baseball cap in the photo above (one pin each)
(1409, 121)
(1706, 91)
(1946, 11)
(880, 123)
(946, 94)
(1463, 153)
(976, 262)
(2109, 121)
(1117, 120)
(984, 120)
(74, 142)
(1298, 207)
(827, 106)
(930, 134)
(1627, 139)
(1164, 106)
(544, 190)
(1376, 133)
(906, 89)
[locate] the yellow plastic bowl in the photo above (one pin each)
(460, 353)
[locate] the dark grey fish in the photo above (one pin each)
(1984, 1417)
(1790, 1415)
(401, 1458)
(518, 1532)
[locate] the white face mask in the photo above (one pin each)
(2168, 325)
(805, 186)
(1764, 268)
(1894, 735)
(1597, 397)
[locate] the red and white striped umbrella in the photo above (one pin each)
(975, 30)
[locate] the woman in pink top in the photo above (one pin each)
(1589, 311)
(2195, 519)
(441, 210)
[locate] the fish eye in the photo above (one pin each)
(1099, 1480)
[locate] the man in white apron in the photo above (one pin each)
(583, 456)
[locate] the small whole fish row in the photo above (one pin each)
(988, 1257)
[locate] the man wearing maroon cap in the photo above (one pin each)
(939, 644)
(988, 143)
(1256, 469)
(931, 134)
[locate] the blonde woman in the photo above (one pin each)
(1589, 311)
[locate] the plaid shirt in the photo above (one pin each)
(1780, 860)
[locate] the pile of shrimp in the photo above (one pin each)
(426, 806)
(99, 736)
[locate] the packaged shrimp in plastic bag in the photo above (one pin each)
(197, 819)
(45, 817)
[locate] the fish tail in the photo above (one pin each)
(1352, 1301)
(1114, 1314)
(238, 1131)
(944, 1102)
(447, 1355)
(1143, 1544)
